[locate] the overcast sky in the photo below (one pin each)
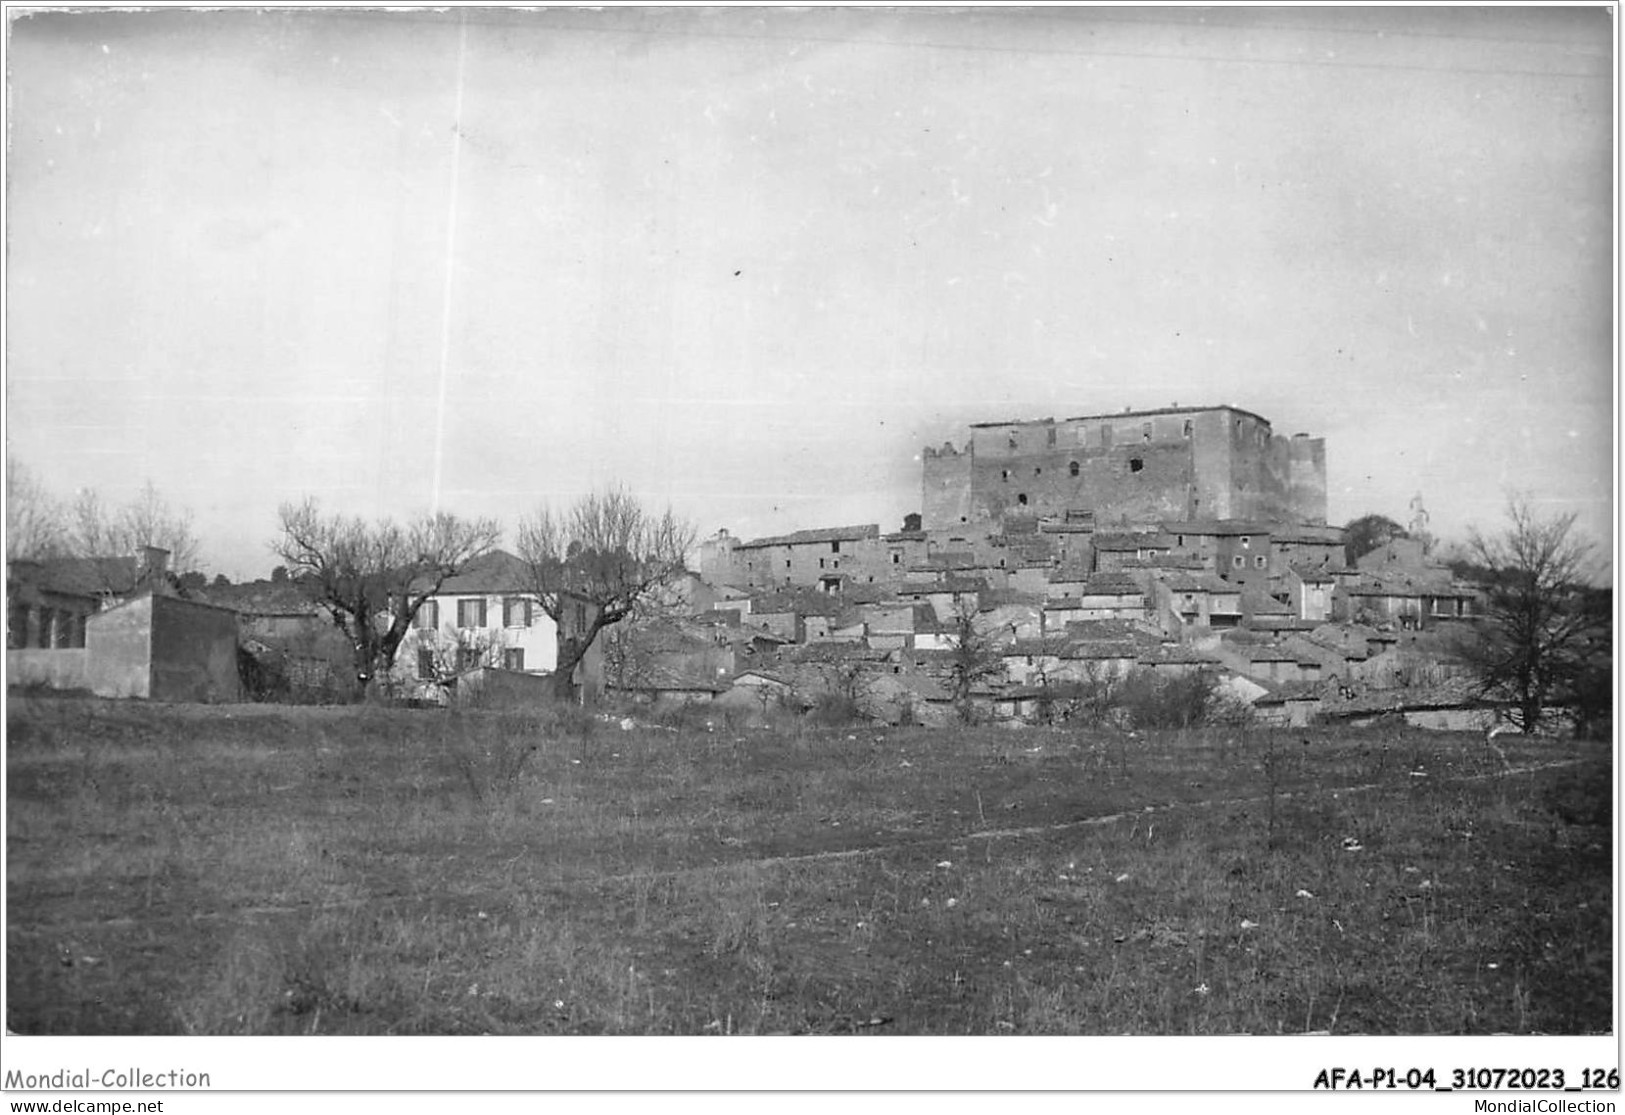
(748, 261)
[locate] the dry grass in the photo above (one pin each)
(271, 871)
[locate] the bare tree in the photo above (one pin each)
(36, 521)
(98, 530)
(605, 552)
(373, 578)
(975, 657)
(1538, 637)
(453, 651)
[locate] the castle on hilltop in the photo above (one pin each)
(1137, 466)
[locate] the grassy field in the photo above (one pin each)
(264, 870)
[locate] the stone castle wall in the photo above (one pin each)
(1179, 463)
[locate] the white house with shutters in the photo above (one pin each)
(481, 617)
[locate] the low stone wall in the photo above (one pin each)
(491, 685)
(57, 669)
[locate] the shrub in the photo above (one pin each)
(836, 710)
(1170, 703)
(1145, 700)
(262, 677)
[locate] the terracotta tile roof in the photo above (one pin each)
(1163, 561)
(262, 598)
(1025, 648)
(835, 652)
(1196, 582)
(494, 573)
(1305, 532)
(1148, 541)
(1100, 649)
(1105, 629)
(801, 602)
(1177, 655)
(1112, 584)
(1223, 528)
(949, 583)
(1263, 604)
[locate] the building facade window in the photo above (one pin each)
(515, 611)
(428, 617)
(471, 613)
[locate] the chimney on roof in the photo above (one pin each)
(154, 568)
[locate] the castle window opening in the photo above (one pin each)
(1145, 432)
(835, 547)
(1246, 541)
(1239, 561)
(1187, 427)
(1038, 472)
(1004, 474)
(1258, 561)
(1135, 464)
(1021, 498)
(1072, 468)
(1050, 436)
(820, 563)
(1012, 440)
